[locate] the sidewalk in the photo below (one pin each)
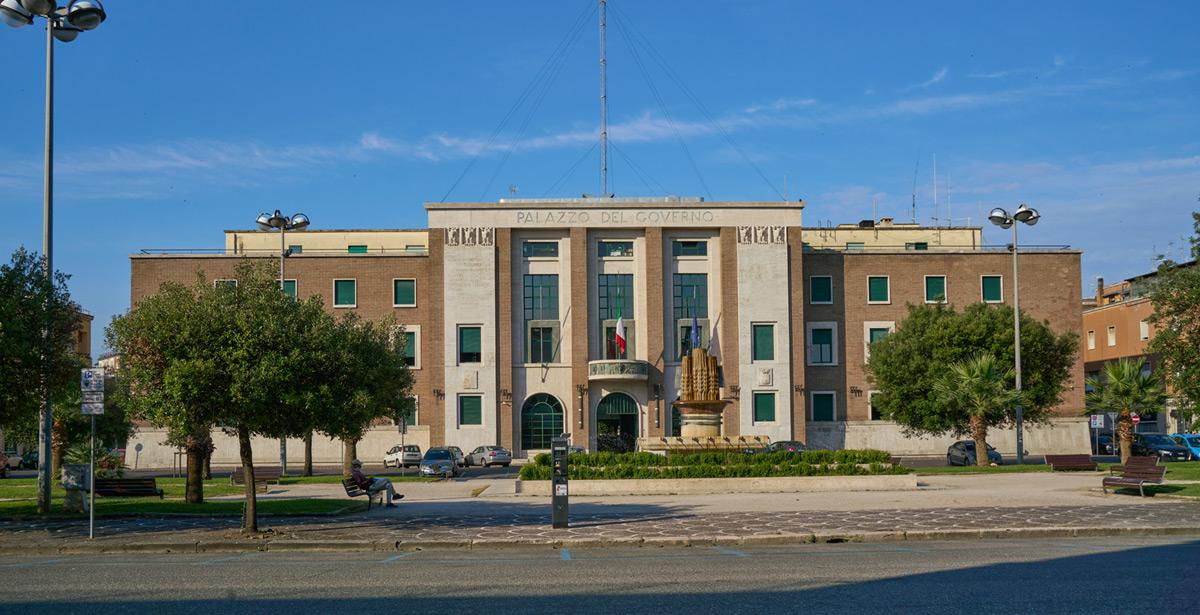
(444, 515)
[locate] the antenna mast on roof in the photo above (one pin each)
(916, 168)
(603, 105)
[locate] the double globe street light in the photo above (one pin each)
(1000, 217)
(283, 224)
(64, 24)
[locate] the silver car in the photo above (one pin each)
(439, 462)
(489, 455)
(458, 456)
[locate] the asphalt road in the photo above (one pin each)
(1100, 575)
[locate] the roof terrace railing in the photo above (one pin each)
(937, 248)
(413, 250)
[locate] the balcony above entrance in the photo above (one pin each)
(618, 369)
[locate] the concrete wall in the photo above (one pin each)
(153, 454)
(762, 277)
(1062, 435)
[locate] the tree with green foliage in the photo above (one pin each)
(1175, 294)
(906, 365)
(982, 391)
(1126, 386)
(38, 324)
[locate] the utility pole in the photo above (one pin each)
(603, 103)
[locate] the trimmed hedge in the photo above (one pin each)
(708, 470)
(780, 458)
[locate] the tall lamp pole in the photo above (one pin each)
(1025, 215)
(277, 221)
(63, 24)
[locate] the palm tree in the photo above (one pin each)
(980, 388)
(1124, 389)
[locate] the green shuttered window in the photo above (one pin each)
(764, 342)
(993, 289)
(470, 410)
(878, 334)
(470, 349)
(345, 293)
(935, 289)
(822, 407)
(410, 348)
(289, 288)
(764, 407)
(356, 249)
(820, 289)
(822, 346)
(404, 292)
(877, 289)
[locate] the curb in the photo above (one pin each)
(587, 542)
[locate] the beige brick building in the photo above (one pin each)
(512, 308)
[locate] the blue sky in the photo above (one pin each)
(176, 120)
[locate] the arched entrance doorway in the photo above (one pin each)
(617, 423)
(541, 420)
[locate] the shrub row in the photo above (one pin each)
(815, 457)
(580, 472)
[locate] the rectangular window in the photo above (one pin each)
(877, 333)
(412, 247)
(763, 342)
(289, 288)
(1091, 340)
(878, 290)
(993, 289)
(820, 289)
(295, 249)
(689, 292)
(470, 409)
(916, 245)
(224, 283)
(470, 347)
(410, 348)
(615, 293)
(404, 293)
(1112, 336)
(874, 331)
(875, 414)
(539, 249)
(855, 245)
(611, 249)
(356, 249)
(685, 336)
(822, 407)
(820, 345)
(541, 317)
(689, 248)
(764, 407)
(345, 293)
(1144, 330)
(611, 349)
(935, 289)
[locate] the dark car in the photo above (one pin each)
(1159, 445)
(1103, 445)
(792, 446)
(439, 462)
(962, 453)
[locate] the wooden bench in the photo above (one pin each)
(261, 477)
(1143, 461)
(1135, 477)
(128, 488)
(1070, 462)
(353, 490)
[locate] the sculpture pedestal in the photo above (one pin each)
(700, 419)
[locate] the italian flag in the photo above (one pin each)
(620, 328)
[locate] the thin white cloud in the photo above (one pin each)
(937, 77)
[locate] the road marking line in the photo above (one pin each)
(31, 564)
(231, 558)
(733, 552)
(566, 554)
(396, 557)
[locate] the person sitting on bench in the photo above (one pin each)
(373, 485)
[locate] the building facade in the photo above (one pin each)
(511, 310)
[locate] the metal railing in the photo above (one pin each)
(619, 368)
(990, 248)
(422, 251)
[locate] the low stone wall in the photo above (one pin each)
(1060, 436)
(146, 450)
(709, 486)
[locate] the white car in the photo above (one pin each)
(407, 456)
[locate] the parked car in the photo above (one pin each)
(406, 456)
(576, 450)
(459, 458)
(1103, 445)
(3, 465)
(1159, 445)
(489, 455)
(30, 460)
(439, 462)
(14, 460)
(1189, 441)
(962, 453)
(792, 446)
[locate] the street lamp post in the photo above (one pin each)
(63, 24)
(283, 224)
(1025, 215)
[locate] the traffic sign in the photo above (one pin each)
(402, 425)
(1136, 419)
(93, 409)
(92, 379)
(92, 397)
(1097, 421)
